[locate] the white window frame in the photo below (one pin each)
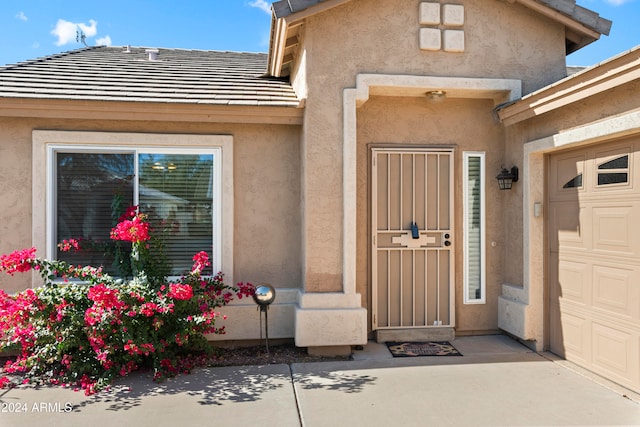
(45, 144)
(465, 206)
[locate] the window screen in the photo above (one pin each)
(175, 191)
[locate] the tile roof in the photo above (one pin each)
(177, 76)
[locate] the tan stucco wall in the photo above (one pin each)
(15, 187)
(502, 40)
(267, 240)
(368, 36)
(465, 125)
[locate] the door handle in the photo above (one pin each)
(415, 233)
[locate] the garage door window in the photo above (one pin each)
(614, 171)
(574, 183)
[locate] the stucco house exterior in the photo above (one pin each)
(353, 167)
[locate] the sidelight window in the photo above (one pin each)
(474, 228)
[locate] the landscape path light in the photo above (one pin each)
(264, 295)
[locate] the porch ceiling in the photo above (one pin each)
(498, 90)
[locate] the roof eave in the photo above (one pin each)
(149, 111)
(287, 14)
(279, 29)
(582, 25)
(600, 78)
(300, 9)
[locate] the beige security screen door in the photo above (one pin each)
(412, 238)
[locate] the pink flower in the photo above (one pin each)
(5, 382)
(18, 261)
(135, 230)
(148, 309)
(180, 292)
(61, 310)
(104, 296)
(200, 262)
(245, 289)
(66, 245)
(131, 212)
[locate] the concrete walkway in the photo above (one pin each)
(497, 382)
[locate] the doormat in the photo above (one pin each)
(428, 348)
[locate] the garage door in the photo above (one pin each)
(594, 259)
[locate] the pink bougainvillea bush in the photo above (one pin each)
(84, 328)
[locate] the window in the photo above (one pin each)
(474, 227)
(614, 171)
(91, 181)
(574, 183)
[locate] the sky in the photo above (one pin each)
(34, 28)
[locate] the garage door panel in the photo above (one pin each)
(567, 218)
(615, 291)
(613, 229)
(575, 336)
(573, 282)
(566, 175)
(614, 351)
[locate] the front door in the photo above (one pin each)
(412, 238)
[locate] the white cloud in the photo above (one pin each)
(104, 41)
(21, 16)
(262, 5)
(65, 31)
(617, 2)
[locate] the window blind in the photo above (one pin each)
(175, 192)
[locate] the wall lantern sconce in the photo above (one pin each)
(507, 178)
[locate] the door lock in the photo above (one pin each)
(415, 233)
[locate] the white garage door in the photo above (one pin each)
(594, 261)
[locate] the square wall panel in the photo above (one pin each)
(453, 40)
(430, 39)
(453, 15)
(429, 13)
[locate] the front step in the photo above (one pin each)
(435, 333)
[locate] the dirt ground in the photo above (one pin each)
(279, 353)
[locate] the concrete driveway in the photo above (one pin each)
(497, 382)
